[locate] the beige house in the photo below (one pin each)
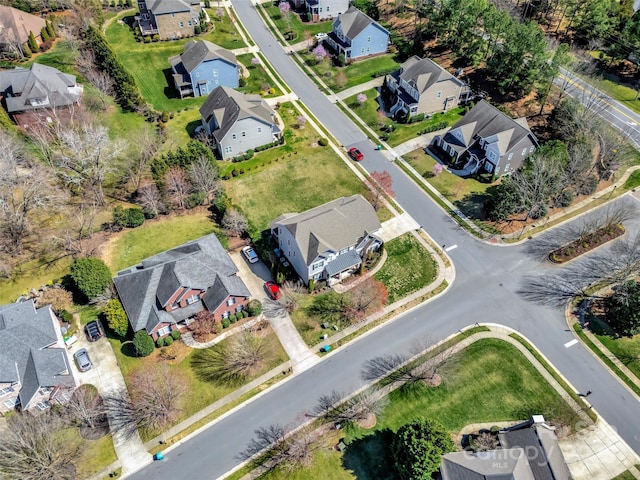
(423, 86)
(169, 19)
(15, 26)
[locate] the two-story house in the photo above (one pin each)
(485, 140)
(15, 27)
(169, 19)
(37, 87)
(423, 86)
(325, 9)
(34, 366)
(355, 35)
(202, 67)
(328, 242)
(165, 291)
(238, 122)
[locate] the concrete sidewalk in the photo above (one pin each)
(397, 226)
(349, 92)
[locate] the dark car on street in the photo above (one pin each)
(94, 330)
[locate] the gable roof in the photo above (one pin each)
(487, 122)
(26, 353)
(198, 51)
(17, 24)
(22, 86)
(492, 465)
(353, 22)
(200, 264)
(333, 226)
(228, 106)
(160, 7)
(422, 73)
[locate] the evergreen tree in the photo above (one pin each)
(33, 44)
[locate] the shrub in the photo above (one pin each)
(155, 38)
(225, 323)
(233, 318)
(242, 82)
(566, 198)
(175, 334)
(168, 340)
(254, 307)
(197, 30)
(207, 4)
(382, 73)
(45, 46)
(129, 217)
(312, 285)
(143, 344)
(160, 342)
(245, 314)
(147, 39)
(272, 90)
(234, 172)
(589, 185)
(116, 317)
(66, 316)
(91, 276)
(323, 142)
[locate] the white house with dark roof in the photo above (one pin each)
(169, 19)
(328, 242)
(37, 87)
(420, 85)
(485, 140)
(238, 122)
(355, 35)
(325, 9)
(34, 366)
(202, 67)
(164, 291)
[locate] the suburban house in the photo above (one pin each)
(169, 19)
(34, 366)
(37, 87)
(529, 451)
(485, 140)
(238, 122)
(355, 35)
(324, 9)
(15, 26)
(163, 292)
(202, 67)
(423, 86)
(328, 242)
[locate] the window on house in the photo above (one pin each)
(239, 308)
(320, 10)
(368, 49)
(510, 156)
(43, 405)
(231, 301)
(244, 134)
(234, 136)
(259, 129)
(189, 23)
(181, 24)
(439, 94)
(12, 402)
(362, 50)
(368, 39)
(193, 299)
(173, 15)
(524, 151)
(228, 149)
(507, 167)
(215, 72)
(197, 74)
(164, 331)
(327, 9)
(532, 149)
(6, 391)
(225, 315)
(317, 265)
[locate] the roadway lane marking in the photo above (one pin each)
(571, 343)
(452, 247)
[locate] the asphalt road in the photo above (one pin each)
(485, 290)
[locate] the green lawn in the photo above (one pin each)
(259, 80)
(369, 112)
(96, 455)
(625, 349)
(408, 268)
(155, 236)
(633, 181)
(200, 393)
(30, 275)
(340, 78)
(468, 194)
(302, 30)
(625, 476)
(490, 381)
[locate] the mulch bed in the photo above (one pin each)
(581, 246)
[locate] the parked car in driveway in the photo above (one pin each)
(93, 330)
(81, 357)
(273, 290)
(250, 254)
(356, 154)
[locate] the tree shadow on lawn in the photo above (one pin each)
(369, 457)
(191, 127)
(473, 205)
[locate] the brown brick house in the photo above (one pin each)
(169, 19)
(165, 291)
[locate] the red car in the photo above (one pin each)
(356, 154)
(273, 290)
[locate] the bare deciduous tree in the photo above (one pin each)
(382, 185)
(367, 297)
(150, 200)
(357, 408)
(291, 294)
(177, 186)
(74, 239)
(205, 178)
(204, 324)
(235, 223)
(86, 410)
(35, 447)
(149, 145)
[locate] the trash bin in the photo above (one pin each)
(378, 147)
(158, 456)
(326, 348)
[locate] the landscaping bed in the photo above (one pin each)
(302, 30)
(586, 244)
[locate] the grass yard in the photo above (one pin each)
(369, 113)
(490, 381)
(625, 349)
(200, 393)
(259, 80)
(408, 268)
(133, 245)
(302, 30)
(340, 78)
(468, 194)
(625, 476)
(96, 455)
(633, 181)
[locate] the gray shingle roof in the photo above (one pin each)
(333, 226)
(198, 51)
(484, 121)
(353, 21)
(343, 262)
(22, 85)
(160, 7)
(422, 73)
(492, 465)
(201, 264)
(27, 351)
(229, 106)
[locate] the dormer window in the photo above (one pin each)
(193, 299)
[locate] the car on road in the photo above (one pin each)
(273, 290)
(356, 154)
(81, 357)
(93, 330)
(250, 254)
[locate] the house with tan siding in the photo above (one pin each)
(169, 19)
